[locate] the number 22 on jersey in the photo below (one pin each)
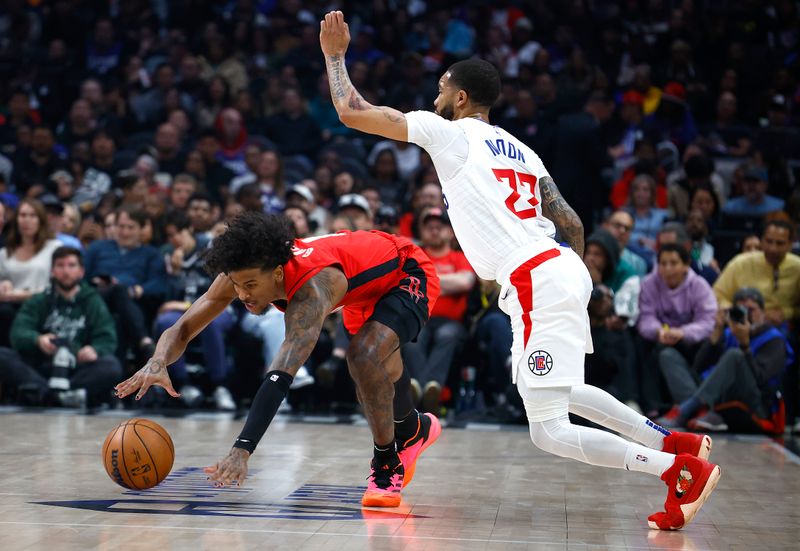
(522, 187)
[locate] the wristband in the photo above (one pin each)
(268, 398)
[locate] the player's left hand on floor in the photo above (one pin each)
(231, 471)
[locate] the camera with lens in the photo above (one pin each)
(63, 362)
(738, 314)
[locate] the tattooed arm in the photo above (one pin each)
(354, 111)
(566, 220)
(174, 340)
(305, 314)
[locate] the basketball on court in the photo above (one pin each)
(138, 454)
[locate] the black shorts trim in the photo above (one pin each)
(370, 274)
(404, 309)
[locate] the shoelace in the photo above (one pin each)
(383, 476)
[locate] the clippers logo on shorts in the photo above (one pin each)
(540, 363)
(413, 288)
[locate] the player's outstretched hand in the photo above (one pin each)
(231, 470)
(334, 34)
(154, 372)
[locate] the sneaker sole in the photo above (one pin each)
(702, 425)
(689, 510)
(433, 435)
(705, 448)
(380, 501)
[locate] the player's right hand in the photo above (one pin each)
(154, 372)
(334, 34)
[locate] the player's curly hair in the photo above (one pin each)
(251, 240)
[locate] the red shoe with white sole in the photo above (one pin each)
(690, 482)
(698, 445)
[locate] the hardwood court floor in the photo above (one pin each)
(473, 489)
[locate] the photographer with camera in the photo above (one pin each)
(743, 360)
(63, 342)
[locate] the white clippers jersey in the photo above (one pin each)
(489, 182)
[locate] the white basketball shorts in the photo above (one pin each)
(547, 298)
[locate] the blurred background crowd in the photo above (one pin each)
(131, 130)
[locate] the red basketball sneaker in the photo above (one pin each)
(690, 481)
(385, 483)
(698, 445)
(409, 451)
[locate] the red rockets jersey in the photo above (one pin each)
(371, 260)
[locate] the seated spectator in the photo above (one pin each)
(24, 261)
(3, 216)
(200, 210)
(704, 198)
(676, 312)
(755, 201)
(188, 280)
(385, 177)
(356, 207)
(292, 128)
(300, 221)
(702, 251)
(743, 360)
(620, 224)
(727, 136)
(182, 187)
(647, 218)
(675, 232)
(55, 220)
(131, 278)
(602, 258)
(386, 219)
(169, 155)
(33, 167)
(697, 171)
(431, 356)
(751, 243)
(63, 342)
(774, 271)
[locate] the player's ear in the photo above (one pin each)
(278, 273)
(462, 98)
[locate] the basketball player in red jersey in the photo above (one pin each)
(386, 287)
(504, 208)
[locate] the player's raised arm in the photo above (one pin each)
(174, 340)
(354, 111)
(556, 208)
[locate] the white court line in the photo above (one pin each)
(790, 455)
(303, 533)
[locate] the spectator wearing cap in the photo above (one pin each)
(755, 201)
(774, 271)
(676, 312)
(672, 121)
(743, 360)
(430, 358)
(299, 195)
(55, 220)
(387, 219)
(356, 208)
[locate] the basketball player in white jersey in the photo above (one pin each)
(505, 208)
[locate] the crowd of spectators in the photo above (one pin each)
(131, 131)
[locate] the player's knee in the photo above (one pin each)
(541, 435)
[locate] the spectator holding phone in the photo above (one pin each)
(742, 360)
(63, 341)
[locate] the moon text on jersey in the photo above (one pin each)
(507, 149)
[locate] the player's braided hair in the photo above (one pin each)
(251, 240)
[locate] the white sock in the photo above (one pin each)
(647, 460)
(599, 406)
